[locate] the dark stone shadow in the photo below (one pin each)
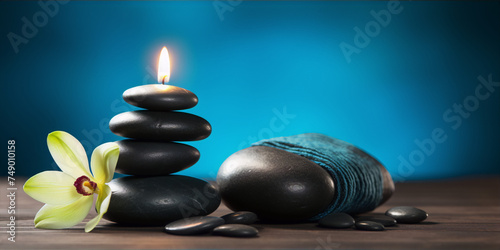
(119, 227)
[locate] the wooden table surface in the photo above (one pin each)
(463, 214)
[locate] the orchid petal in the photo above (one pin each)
(101, 205)
(68, 153)
(58, 217)
(52, 187)
(103, 162)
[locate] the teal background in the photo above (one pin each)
(255, 61)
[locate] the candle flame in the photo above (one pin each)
(164, 67)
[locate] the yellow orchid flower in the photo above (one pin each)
(68, 194)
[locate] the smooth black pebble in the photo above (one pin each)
(157, 125)
(241, 217)
(236, 230)
(337, 220)
(160, 97)
(369, 226)
(387, 221)
(274, 184)
(406, 214)
(158, 200)
(154, 158)
(194, 225)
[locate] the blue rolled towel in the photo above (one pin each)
(357, 175)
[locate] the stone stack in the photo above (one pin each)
(152, 196)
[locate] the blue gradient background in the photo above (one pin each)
(263, 57)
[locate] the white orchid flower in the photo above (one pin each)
(69, 194)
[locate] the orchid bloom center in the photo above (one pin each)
(85, 186)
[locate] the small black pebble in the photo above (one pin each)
(369, 226)
(236, 230)
(194, 225)
(387, 221)
(241, 217)
(337, 220)
(406, 214)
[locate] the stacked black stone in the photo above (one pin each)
(152, 196)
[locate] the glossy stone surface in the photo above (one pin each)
(387, 221)
(156, 125)
(194, 225)
(156, 201)
(154, 158)
(337, 220)
(274, 184)
(160, 97)
(369, 226)
(241, 217)
(236, 230)
(406, 214)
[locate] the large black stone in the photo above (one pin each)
(193, 225)
(154, 158)
(160, 97)
(274, 184)
(157, 125)
(156, 201)
(406, 214)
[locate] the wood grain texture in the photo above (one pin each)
(463, 214)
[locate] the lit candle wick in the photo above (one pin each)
(163, 67)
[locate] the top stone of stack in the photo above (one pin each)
(160, 97)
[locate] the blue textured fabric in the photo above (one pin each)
(357, 176)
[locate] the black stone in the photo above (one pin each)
(241, 217)
(274, 184)
(236, 230)
(154, 158)
(193, 225)
(407, 214)
(387, 221)
(156, 125)
(337, 220)
(158, 200)
(160, 97)
(369, 226)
